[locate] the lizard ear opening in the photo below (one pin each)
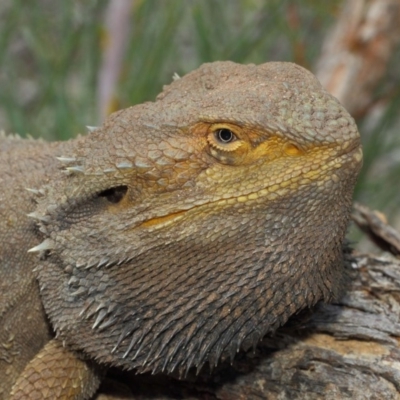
(114, 195)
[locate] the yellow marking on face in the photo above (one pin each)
(256, 151)
(335, 178)
(285, 183)
(241, 150)
(271, 148)
(164, 220)
(253, 196)
(358, 155)
(291, 150)
(311, 174)
(345, 145)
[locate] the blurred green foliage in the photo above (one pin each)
(51, 52)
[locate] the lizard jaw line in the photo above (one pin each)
(165, 220)
(273, 192)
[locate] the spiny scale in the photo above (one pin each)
(47, 244)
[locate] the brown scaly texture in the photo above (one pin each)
(186, 229)
(23, 326)
(50, 374)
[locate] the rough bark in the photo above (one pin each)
(356, 54)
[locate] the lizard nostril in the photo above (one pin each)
(114, 195)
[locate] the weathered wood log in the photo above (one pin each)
(357, 52)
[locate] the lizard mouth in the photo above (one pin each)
(162, 221)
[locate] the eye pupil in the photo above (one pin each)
(224, 135)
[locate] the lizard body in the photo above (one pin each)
(24, 329)
(184, 229)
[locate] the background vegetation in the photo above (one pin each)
(51, 53)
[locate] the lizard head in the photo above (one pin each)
(187, 228)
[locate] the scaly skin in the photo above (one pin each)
(186, 229)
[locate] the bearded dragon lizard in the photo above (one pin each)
(177, 233)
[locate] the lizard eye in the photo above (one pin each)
(224, 139)
(225, 135)
(226, 143)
